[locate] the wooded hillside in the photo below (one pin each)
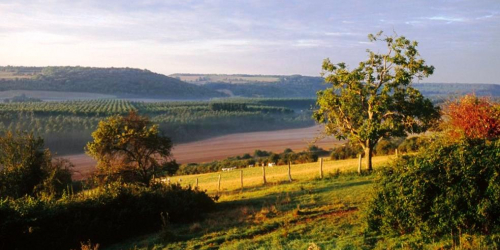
(124, 82)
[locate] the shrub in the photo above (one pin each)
(474, 118)
(27, 167)
(346, 151)
(106, 215)
(446, 188)
(413, 144)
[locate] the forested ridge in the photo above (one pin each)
(125, 82)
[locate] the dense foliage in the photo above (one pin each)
(27, 168)
(67, 126)
(376, 99)
(448, 188)
(116, 81)
(103, 215)
(452, 186)
(129, 147)
(474, 118)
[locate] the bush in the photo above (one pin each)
(446, 188)
(413, 144)
(346, 151)
(107, 215)
(26, 167)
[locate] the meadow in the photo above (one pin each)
(308, 212)
(252, 176)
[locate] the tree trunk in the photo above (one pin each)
(359, 165)
(368, 155)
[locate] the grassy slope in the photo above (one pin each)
(328, 213)
(280, 215)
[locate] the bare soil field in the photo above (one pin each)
(229, 145)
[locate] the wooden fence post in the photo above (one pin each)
(289, 172)
(359, 165)
(218, 187)
(196, 181)
(321, 168)
(264, 174)
(241, 177)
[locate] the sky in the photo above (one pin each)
(460, 38)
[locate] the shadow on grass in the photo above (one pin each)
(272, 197)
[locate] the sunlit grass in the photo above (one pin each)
(252, 177)
(279, 215)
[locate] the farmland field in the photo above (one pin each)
(230, 145)
(66, 126)
(54, 95)
(235, 79)
(13, 75)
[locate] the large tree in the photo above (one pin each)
(376, 99)
(129, 147)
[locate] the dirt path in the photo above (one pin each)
(229, 145)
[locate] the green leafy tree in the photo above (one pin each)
(26, 167)
(129, 147)
(376, 99)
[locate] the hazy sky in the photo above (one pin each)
(460, 38)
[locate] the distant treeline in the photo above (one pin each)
(131, 82)
(341, 152)
(259, 158)
(117, 81)
(67, 126)
(307, 86)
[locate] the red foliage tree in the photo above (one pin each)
(474, 118)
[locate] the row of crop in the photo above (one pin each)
(115, 106)
(91, 107)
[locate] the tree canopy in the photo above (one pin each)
(129, 147)
(26, 167)
(376, 99)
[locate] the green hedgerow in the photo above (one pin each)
(446, 189)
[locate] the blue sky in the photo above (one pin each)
(460, 38)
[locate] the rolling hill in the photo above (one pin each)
(122, 82)
(275, 86)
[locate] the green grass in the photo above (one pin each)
(252, 177)
(280, 215)
(285, 216)
(309, 212)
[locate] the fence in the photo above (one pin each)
(240, 179)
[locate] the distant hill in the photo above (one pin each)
(122, 82)
(270, 86)
(450, 89)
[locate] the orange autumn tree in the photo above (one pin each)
(474, 118)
